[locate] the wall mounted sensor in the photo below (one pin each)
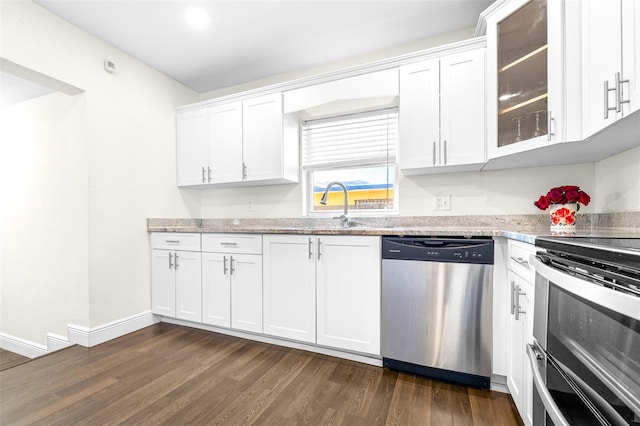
(109, 67)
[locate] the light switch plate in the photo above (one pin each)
(442, 202)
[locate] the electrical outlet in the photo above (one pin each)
(249, 205)
(442, 202)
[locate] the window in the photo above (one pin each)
(358, 150)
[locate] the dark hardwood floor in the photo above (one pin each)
(10, 359)
(174, 375)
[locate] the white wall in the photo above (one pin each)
(613, 183)
(617, 182)
(496, 192)
(44, 220)
(472, 193)
(128, 160)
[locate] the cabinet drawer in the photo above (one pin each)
(175, 241)
(519, 259)
(232, 243)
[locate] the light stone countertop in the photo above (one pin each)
(517, 227)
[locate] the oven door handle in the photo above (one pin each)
(547, 400)
(616, 301)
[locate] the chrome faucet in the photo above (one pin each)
(344, 218)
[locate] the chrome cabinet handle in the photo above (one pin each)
(244, 171)
(203, 174)
(209, 174)
(310, 248)
(319, 248)
(550, 121)
(607, 108)
(445, 152)
(232, 268)
(170, 264)
(513, 298)
(224, 265)
(434, 153)
(223, 243)
(519, 260)
(619, 101)
(175, 261)
(547, 400)
(518, 308)
(172, 241)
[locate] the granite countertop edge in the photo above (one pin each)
(523, 228)
(526, 236)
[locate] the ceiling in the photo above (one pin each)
(249, 40)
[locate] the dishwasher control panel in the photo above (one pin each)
(456, 250)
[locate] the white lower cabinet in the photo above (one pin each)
(290, 287)
(348, 292)
(324, 290)
(232, 281)
(315, 289)
(176, 276)
(519, 376)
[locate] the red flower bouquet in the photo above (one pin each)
(563, 195)
(564, 202)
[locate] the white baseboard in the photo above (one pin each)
(21, 346)
(89, 337)
(78, 335)
(499, 384)
(55, 342)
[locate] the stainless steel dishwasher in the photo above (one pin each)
(437, 307)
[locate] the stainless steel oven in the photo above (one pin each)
(586, 353)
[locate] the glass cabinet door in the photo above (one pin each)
(522, 74)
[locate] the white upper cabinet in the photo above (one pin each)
(192, 147)
(419, 114)
(264, 151)
(380, 84)
(225, 142)
(610, 61)
(531, 77)
(462, 107)
(442, 120)
(246, 142)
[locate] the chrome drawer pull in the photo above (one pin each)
(520, 260)
(228, 244)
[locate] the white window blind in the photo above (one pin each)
(356, 139)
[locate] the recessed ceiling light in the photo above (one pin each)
(197, 18)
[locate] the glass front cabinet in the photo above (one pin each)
(527, 66)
